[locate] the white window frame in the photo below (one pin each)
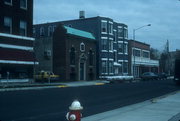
(120, 28)
(9, 19)
(8, 3)
(125, 48)
(103, 22)
(104, 67)
(50, 30)
(115, 35)
(23, 7)
(147, 52)
(103, 39)
(42, 32)
(23, 25)
(110, 28)
(136, 49)
(124, 66)
(111, 69)
(125, 33)
(82, 47)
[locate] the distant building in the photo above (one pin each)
(69, 52)
(112, 41)
(167, 61)
(139, 59)
(16, 46)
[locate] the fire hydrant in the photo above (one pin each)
(75, 111)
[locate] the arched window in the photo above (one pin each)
(82, 47)
(91, 57)
(42, 31)
(50, 31)
(72, 56)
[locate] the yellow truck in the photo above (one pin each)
(46, 76)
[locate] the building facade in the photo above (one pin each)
(139, 58)
(74, 54)
(112, 42)
(16, 46)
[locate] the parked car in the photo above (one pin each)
(149, 76)
(162, 75)
(46, 76)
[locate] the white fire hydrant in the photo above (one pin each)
(75, 111)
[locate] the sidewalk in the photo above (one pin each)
(165, 108)
(33, 86)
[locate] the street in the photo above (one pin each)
(53, 104)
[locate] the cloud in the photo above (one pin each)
(162, 14)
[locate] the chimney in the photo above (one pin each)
(81, 14)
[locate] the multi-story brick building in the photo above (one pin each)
(112, 42)
(68, 52)
(139, 59)
(16, 45)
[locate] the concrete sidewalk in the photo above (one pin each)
(165, 108)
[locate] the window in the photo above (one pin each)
(120, 32)
(104, 67)
(145, 54)
(125, 33)
(110, 45)
(120, 68)
(7, 25)
(91, 57)
(110, 28)
(54, 27)
(34, 31)
(8, 2)
(104, 26)
(110, 67)
(115, 56)
(42, 31)
(23, 28)
(125, 48)
(82, 47)
(125, 67)
(72, 56)
(47, 54)
(115, 36)
(120, 47)
(104, 44)
(23, 4)
(50, 31)
(136, 52)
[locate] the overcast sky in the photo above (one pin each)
(163, 15)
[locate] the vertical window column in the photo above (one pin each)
(8, 25)
(23, 28)
(23, 4)
(103, 27)
(104, 67)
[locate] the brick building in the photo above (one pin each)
(16, 46)
(139, 59)
(112, 41)
(68, 52)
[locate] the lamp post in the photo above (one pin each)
(134, 37)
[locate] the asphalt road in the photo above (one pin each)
(52, 104)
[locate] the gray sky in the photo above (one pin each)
(163, 15)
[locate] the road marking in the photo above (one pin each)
(62, 86)
(99, 84)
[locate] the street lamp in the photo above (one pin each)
(134, 37)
